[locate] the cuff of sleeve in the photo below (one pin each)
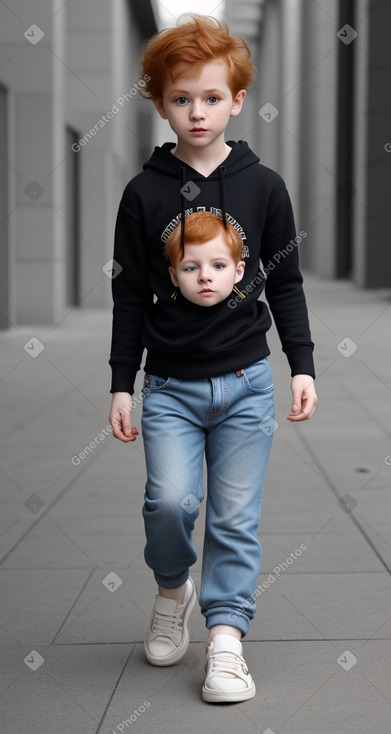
(123, 377)
(301, 361)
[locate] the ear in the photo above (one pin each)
(160, 108)
(238, 103)
(172, 272)
(239, 271)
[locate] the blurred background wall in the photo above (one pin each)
(74, 130)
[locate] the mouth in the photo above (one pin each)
(206, 291)
(198, 130)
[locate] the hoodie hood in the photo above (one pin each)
(162, 160)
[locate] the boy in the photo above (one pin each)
(210, 264)
(208, 388)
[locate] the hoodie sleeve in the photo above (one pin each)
(131, 294)
(283, 288)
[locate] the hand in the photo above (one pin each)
(304, 398)
(120, 417)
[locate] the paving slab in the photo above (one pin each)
(300, 688)
(67, 692)
(36, 601)
(325, 553)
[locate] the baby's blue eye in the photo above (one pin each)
(190, 269)
(219, 266)
(213, 99)
(181, 100)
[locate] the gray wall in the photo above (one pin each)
(64, 81)
(305, 70)
(5, 274)
(372, 170)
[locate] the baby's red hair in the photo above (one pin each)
(190, 45)
(201, 227)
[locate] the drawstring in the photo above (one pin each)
(182, 243)
(182, 170)
(222, 170)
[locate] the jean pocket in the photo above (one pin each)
(258, 377)
(154, 382)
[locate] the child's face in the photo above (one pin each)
(198, 108)
(207, 273)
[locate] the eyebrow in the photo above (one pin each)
(188, 260)
(205, 91)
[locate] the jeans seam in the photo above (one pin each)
(224, 402)
(263, 391)
(205, 570)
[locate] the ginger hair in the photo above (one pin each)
(201, 227)
(191, 45)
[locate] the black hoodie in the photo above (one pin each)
(183, 339)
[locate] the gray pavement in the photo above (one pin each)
(77, 595)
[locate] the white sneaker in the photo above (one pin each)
(227, 677)
(167, 637)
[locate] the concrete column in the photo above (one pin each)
(96, 225)
(372, 215)
(318, 135)
(7, 314)
(268, 63)
(104, 95)
(290, 100)
(245, 20)
(38, 222)
(92, 114)
(32, 71)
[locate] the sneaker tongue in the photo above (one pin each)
(165, 606)
(227, 643)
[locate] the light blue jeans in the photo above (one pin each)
(230, 420)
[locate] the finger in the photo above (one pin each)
(118, 429)
(115, 424)
(294, 417)
(297, 401)
(296, 405)
(305, 414)
(125, 439)
(118, 432)
(124, 414)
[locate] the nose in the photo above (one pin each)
(197, 113)
(205, 275)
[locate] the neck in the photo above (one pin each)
(203, 160)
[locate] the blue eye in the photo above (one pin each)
(190, 269)
(219, 266)
(181, 100)
(213, 99)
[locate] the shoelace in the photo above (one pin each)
(227, 662)
(167, 624)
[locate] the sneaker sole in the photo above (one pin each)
(175, 656)
(210, 695)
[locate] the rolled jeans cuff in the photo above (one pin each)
(229, 617)
(171, 582)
